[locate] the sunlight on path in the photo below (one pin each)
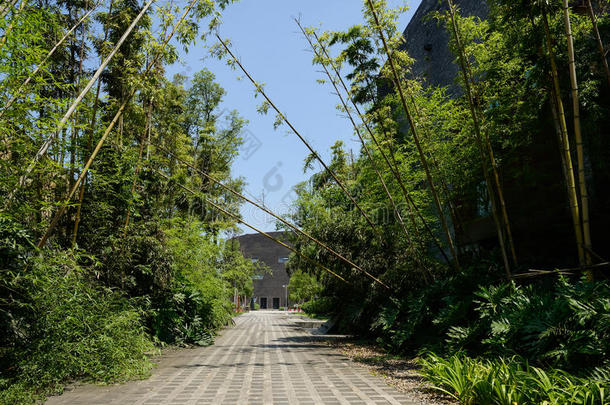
(264, 359)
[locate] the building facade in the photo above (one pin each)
(537, 205)
(428, 42)
(270, 290)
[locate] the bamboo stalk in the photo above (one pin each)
(45, 146)
(536, 272)
(118, 114)
(139, 164)
(7, 8)
(410, 202)
(279, 218)
(395, 172)
(313, 152)
(570, 181)
(238, 219)
(414, 132)
(75, 129)
(474, 111)
(357, 130)
(584, 196)
(90, 131)
(598, 39)
(393, 169)
(11, 25)
(44, 60)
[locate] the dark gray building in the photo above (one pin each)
(270, 289)
(427, 42)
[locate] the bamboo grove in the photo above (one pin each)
(471, 185)
(495, 176)
(111, 246)
(117, 191)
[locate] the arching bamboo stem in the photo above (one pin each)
(414, 132)
(269, 212)
(238, 219)
(294, 130)
(45, 146)
(357, 130)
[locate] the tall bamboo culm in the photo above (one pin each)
(582, 182)
(598, 39)
(484, 140)
(393, 166)
(565, 143)
(414, 132)
(333, 81)
(90, 131)
(60, 126)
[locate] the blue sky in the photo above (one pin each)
(266, 40)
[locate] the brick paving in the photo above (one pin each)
(263, 359)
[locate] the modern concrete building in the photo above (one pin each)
(537, 205)
(270, 290)
(427, 42)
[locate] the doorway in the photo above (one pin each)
(263, 302)
(276, 303)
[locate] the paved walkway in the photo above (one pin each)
(264, 359)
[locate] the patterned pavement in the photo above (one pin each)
(263, 359)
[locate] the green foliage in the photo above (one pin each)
(322, 306)
(302, 286)
(64, 324)
(565, 326)
(509, 381)
(197, 302)
(133, 259)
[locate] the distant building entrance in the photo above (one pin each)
(270, 288)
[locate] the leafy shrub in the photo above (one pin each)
(65, 325)
(566, 326)
(423, 317)
(509, 381)
(320, 306)
(183, 316)
(560, 323)
(195, 305)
